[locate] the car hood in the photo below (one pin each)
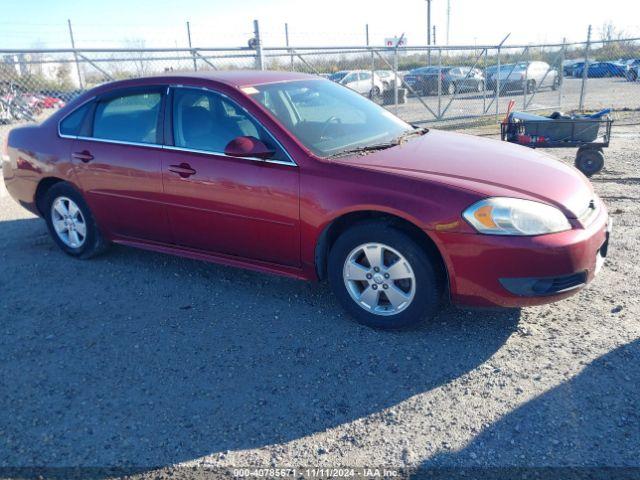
(486, 166)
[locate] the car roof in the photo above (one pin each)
(232, 78)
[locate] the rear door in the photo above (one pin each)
(118, 163)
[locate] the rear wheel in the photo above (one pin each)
(589, 161)
(382, 277)
(71, 223)
(531, 86)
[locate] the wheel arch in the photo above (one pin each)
(343, 222)
(41, 191)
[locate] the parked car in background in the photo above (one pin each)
(237, 168)
(388, 77)
(632, 66)
(567, 67)
(425, 80)
(602, 70)
(527, 76)
(52, 102)
(577, 68)
(359, 81)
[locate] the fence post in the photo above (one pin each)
(75, 55)
(439, 84)
(585, 71)
(373, 63)
(395, 78)
(497, 87)
(484, 87)
(195, 63)
(258, 46)
(525, 88)
(563, 54)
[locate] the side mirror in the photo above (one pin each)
(248, 147)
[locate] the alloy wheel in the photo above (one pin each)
(68, 222)
(379, 279)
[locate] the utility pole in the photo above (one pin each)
(428, 32)
(585, 71)
(193, 54)
(75, 54)
(286, 41)
(428, 22)
(448, 18)
(257, 41)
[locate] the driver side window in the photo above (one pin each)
(204, 120)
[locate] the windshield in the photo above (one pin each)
(327, 118)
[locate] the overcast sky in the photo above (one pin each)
(99, 23)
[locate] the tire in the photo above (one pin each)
(420, 295)
(531, 86)
(555, 84)
(374, 93)
(480, 87)
(451, 88)
(589, 161)
(89, 241)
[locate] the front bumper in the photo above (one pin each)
(489, 271)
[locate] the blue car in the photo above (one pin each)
(601, 70)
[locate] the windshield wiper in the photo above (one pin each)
(381, 146)
(410, 133)
(365, 148)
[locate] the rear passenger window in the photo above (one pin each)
(72, 124)
(130, 118)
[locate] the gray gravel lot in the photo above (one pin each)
(138, 359)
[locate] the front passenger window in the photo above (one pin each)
(207, 121)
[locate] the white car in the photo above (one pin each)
(528, 76)
(359, 81)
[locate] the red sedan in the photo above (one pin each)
(292, 174)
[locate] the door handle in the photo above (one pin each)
(84, 155)
(184, 170)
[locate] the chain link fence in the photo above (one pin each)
(423, 85)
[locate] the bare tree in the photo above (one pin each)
(138, 57)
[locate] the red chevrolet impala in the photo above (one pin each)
(292, 174)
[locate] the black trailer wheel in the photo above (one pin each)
(589, 161)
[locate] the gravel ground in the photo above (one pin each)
(144, 361)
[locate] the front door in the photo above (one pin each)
(243, 207)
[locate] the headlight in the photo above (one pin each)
(514, 216)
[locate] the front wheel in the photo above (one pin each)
(451, 88)
(382, 277)
(71, 223)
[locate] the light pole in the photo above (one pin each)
(448, 18)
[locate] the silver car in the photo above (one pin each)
(528, 76)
